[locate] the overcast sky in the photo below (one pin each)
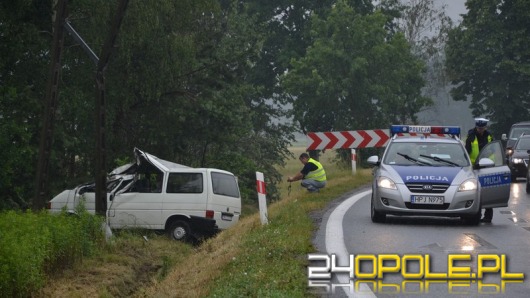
(454, 8)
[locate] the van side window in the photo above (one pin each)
(145, 183)
(184, 183)
(225, 185)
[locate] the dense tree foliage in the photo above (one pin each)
(200, 82)
(24, 43)
(489, 60)
(355, 74)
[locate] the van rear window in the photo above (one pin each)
(224, 184)
(185, 183)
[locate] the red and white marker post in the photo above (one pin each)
(262, 199)
(353, 161)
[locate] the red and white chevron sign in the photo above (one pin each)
(348, 139)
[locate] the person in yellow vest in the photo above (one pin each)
(313, 175)
(476, 139)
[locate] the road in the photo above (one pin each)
(347, 229)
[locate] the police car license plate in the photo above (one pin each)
(437, 200)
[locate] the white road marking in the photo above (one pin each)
(335, 243)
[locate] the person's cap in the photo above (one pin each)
(481, 122)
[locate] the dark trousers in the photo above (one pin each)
(488, 213)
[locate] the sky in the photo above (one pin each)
(454, 8)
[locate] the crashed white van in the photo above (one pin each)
(161, 195)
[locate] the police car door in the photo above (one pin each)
(494, 181)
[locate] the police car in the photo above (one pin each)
(425, 170)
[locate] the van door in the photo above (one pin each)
(185, 194)
(139, 206)
(224, 198)
(494, 181)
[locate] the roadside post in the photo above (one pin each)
(262, 199)
(353, 162)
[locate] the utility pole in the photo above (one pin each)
(101, 174)
(52, 95)
(42, 180)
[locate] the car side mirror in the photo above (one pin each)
(373, 160)
(485, 163)
(503, 137)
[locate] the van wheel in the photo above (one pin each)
(179, 230)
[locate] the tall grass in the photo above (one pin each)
(254, 260)
(249, 259)
(272, 260)
(35, 245)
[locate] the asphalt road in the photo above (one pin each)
(346, 229)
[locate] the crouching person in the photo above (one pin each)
(313, 175)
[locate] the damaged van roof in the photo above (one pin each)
(158, 162)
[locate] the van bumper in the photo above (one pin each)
(202, 227)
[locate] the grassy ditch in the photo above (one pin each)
(249, 259)
(254, 260)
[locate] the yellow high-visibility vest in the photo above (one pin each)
(319, 174)
(474, 148)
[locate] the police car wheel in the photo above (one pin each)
(376, 215)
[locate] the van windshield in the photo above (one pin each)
(516, 132)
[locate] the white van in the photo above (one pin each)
(161, 195)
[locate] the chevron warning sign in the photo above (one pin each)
(348, 139)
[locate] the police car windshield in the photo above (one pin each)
(426, 154)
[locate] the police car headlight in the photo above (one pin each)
(517, 160)
(385, 182)
(467, 185)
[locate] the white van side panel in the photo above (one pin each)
(180, 196)
(69, 199)
(135, 209)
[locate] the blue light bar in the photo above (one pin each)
(425, 129)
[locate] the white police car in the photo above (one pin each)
(425, 170)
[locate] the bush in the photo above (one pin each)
(33, 245)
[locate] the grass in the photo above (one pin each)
(249, 259)
(34, 246)
(261, 260)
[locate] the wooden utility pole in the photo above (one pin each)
(52, 95)
(60, 24)
(101, 153)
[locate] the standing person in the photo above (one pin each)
(476, 139)
(313, 175)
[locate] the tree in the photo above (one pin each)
(488, 60)
(355, 75)
(186, 90)
(24, 42)
(426, 28)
